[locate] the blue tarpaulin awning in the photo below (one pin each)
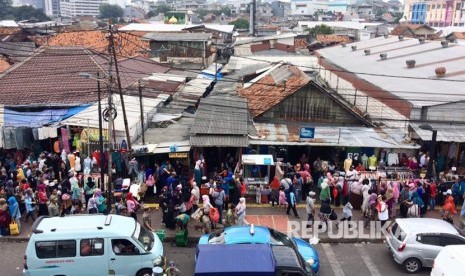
(15, 118)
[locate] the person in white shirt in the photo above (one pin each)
(310, 208)
(383, 212)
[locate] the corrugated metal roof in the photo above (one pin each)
(418, 85)
(178, 36)
(445, 132)
(219, 141)
(221, 115)
(178, 131)
(288, 134)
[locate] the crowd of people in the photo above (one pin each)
(51, 186)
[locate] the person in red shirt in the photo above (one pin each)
(24, 185)
(433, 192)
(360, 168)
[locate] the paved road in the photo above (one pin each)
(336, 259)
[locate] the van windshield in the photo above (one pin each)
(144, 237)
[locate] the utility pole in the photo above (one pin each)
(100, 129)
(110, 125)
(141, 113)
(112, 49)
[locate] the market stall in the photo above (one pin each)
(256, 170)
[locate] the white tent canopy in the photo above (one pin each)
(89, 116)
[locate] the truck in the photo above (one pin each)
(249, 259)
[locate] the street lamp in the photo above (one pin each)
(100, 127)
(432, 149)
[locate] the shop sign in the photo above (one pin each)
(177, 155)
(307, 133)
(320, 133)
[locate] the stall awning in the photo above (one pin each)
(446, 132)
(41, 118)
(305, 134)
(144, 149)
(170, 147)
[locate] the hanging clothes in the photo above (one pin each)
(116, 160)
(64, 139)
(96, 156)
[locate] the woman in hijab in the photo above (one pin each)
(9, 188)
(5, 217)
(66, 205)
(198, 172)
(419, 202)
(100, 201)
(206, 204)
(325, 212)
(240, 212)
(449, 209)
(14, 211)
(371, 212)
(42, 195)
(131, 204)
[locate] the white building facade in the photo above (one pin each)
(72, 8)
(308, 7)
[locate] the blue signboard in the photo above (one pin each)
(267, 161)
(307, 133)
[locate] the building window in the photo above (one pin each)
(444, 6)
(56, 249)
(458, 6)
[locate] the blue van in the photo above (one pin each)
(91, 245)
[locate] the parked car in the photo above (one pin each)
(263, 235)
(450, 261)
(415, 242)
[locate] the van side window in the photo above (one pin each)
(91, 247)
(56, 249)
(123, 247)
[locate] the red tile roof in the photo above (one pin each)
(404, 28)
(50, 77)
(266, 93)
(4, 65)
(127, 44)
(459, 35)
(333, 39)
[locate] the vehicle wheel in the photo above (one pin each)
(412, 265)
(144, 272)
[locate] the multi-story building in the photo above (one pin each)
(308, 7)
(436, 13)
(281, 8)
(52, 8)
(72, 8)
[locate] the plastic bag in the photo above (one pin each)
(214, 215)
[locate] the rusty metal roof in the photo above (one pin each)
(288, 134)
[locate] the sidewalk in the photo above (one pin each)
(262, 214)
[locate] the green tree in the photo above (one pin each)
(240, 23)
(28, 13)
(108, 11)
(5, 9)
(202, 12)
(398, 17)
(163, 8)
(320, 29)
